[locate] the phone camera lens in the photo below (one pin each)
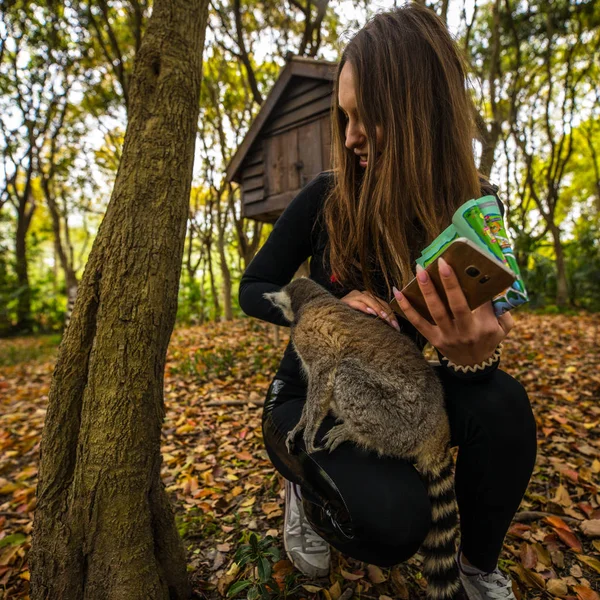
(472, 271)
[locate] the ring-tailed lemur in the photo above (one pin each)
(389, 399)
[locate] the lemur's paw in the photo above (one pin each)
(335, 436)
(289, 441)
(309, 443)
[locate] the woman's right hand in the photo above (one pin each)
(369, 304)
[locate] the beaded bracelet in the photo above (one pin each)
(474, 368)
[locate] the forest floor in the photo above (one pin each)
(224, 489)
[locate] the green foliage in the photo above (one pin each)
(92, 48)
(29, 349)
(583, 264)
(191, 307)
(197, 524)
(260, 555)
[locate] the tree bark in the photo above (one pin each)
(24, 214)
(103, 525)
(562, 288)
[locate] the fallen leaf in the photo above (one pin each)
(576, 571)
(584, 593)
(335, 590)
(557, 587)
(562, 496)
(590, 561)
(570, 539)
(281, 569)
(520, 530)
(528, 577)
(591, 528)
(224, 582)
(528, 556)
(269, 507)
(375, 574)
(244, 455)
(352, 576)
(399, 584)
(557, 523)
(543, 554)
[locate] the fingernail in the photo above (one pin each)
(383, 314)
(395, 324)
(444, 268)
(369, 309)
(421, 273)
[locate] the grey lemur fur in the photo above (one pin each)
(388, 398)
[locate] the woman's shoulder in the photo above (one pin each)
(487, 186)
(491, 189)
(325, 178)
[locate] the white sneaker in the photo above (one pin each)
(487, 586)
(307, 551)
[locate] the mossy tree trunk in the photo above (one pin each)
(103, 525)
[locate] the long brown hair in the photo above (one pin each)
(410, 79)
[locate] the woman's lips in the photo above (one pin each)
(363, 163)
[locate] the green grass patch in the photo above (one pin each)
(27, 349)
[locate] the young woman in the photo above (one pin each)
(402, 157)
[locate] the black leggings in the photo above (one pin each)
(376, 509)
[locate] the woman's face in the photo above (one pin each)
(356, 138)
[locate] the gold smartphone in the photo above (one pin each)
(480, 275)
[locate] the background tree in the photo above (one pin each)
(34, 87)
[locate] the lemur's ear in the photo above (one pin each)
(282, 301)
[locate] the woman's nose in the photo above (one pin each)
(354, 137)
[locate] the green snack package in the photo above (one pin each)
(481, 221)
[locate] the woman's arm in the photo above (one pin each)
(287, 247)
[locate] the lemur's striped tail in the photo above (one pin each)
(439, 548)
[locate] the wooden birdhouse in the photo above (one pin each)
(288, 143)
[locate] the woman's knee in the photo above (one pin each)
(399, 525)
(512, 392)
(503, 405)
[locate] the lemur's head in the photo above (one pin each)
(293, 296)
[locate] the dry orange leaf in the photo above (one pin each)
(570, 539)
(281, 569)
(557, 523)
(584, 593)
(269, 507)
(244, 455)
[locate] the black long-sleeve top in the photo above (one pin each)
(299, 233)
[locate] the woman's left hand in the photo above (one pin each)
(465, 337)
